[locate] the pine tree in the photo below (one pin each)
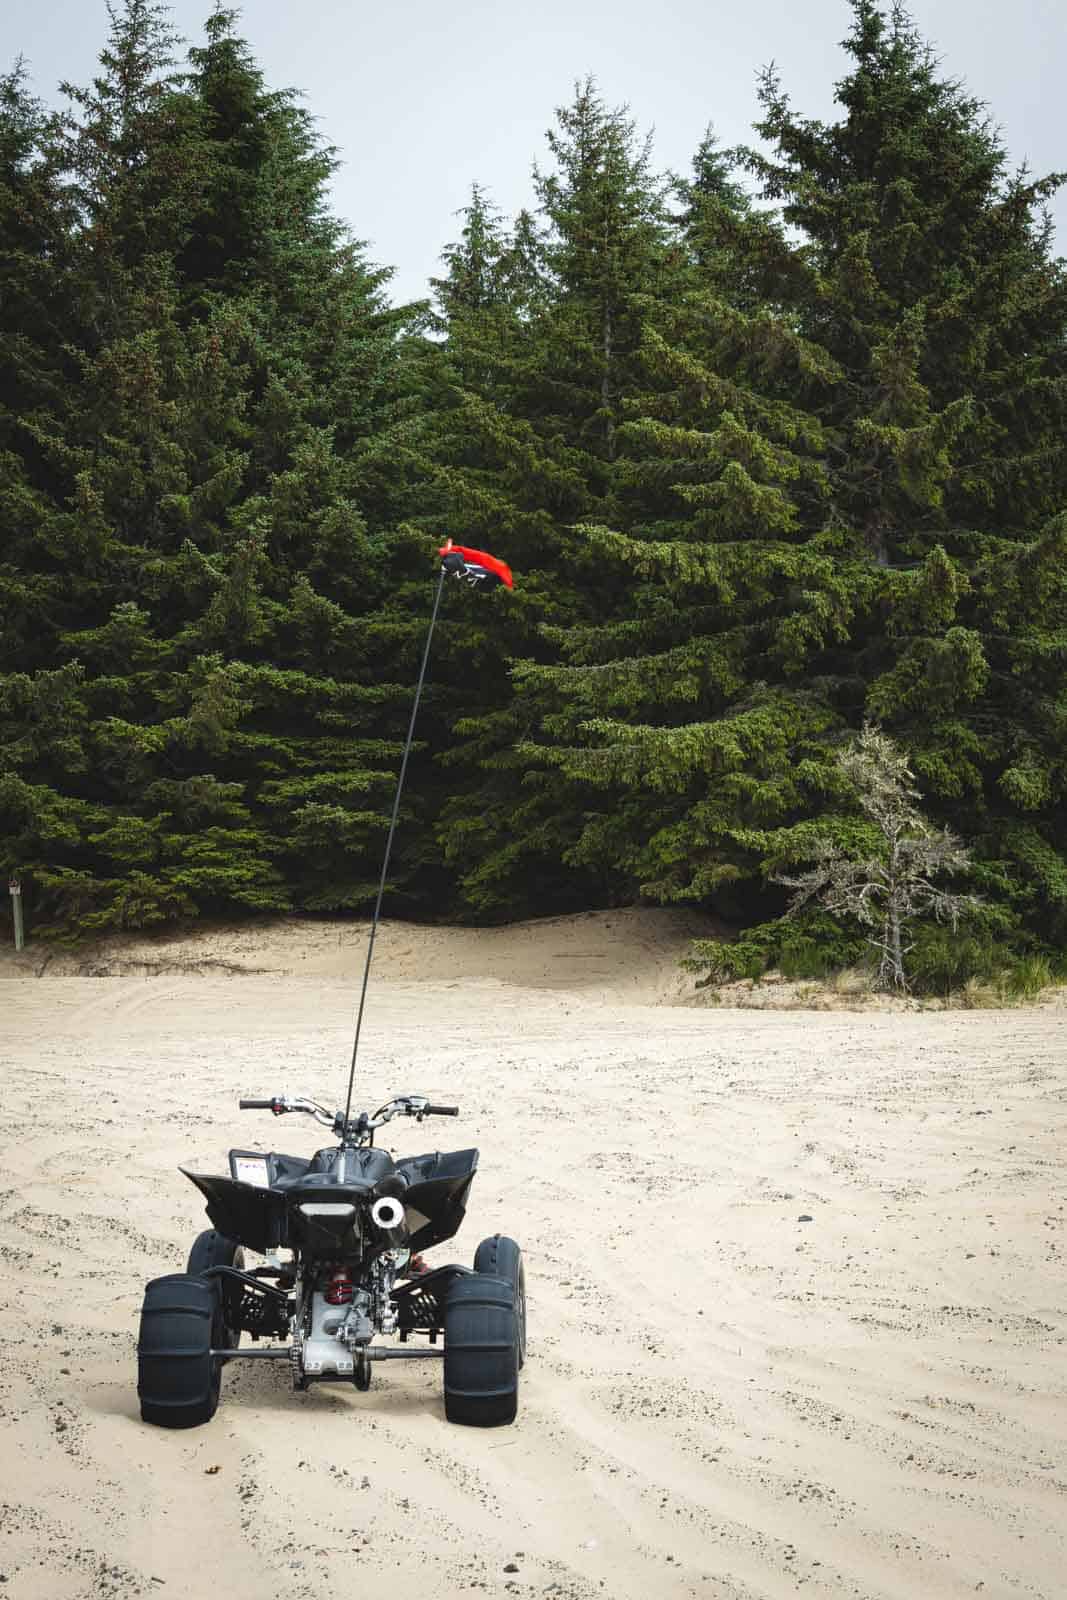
(495, 479)
(35, 328)
(216, 724)
(862, 444)
(475, 281)
(931, 284)
(525, 451)
(140, 435)
(35, 216)
(685, 701)
(891, 890)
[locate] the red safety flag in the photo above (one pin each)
(475, 566)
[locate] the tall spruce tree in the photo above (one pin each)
(682, 702)
(525, 458)
(216, 724)
(933, 286)
(36, 217)
(870, 442)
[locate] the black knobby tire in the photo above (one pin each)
(502, 1258)
(214, 1249)
(177, 1376)
(481, 1351)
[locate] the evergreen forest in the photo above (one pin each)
(774, 447)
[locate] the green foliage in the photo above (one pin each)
(1028, 977)
(943, 960)
(205, 590)
(823, 500)
(542, 352)
(767, 466)
(810, 946)
(889, 885)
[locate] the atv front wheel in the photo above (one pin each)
(502, 1258)
(481, 1351)
(177, 1376)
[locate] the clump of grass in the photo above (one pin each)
(853, 981)
(1026, 978)
(978, 995)
(948, 969)
(943, 961)
(803, 957)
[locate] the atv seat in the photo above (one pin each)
(331, 1169)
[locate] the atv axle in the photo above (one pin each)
(379, 1352)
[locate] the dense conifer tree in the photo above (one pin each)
(848, 482)
(933, 287)
(36, 214)
(680, 701)
(764, 475)
(540, 365)
(216, 719)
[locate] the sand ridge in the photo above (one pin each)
(722, 1399)
(631, 954)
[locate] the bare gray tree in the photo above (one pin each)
(893, 890)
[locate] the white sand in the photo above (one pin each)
(721, 1400)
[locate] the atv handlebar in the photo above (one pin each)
(404, 1105)
(281, 1103)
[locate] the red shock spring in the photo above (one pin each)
(339, 1288)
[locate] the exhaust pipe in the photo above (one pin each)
(387, 1214)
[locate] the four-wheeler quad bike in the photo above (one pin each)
(339, 1234)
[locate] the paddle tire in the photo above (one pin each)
(177, 1376)
(502, 1258)
(481, 1351)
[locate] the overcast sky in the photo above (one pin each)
(422, 99)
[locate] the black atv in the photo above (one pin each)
(340, 1235)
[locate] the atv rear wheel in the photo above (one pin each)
(177, 1376)
(481, 1351)
(502, 1258)
(214, 1249)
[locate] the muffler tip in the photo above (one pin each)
(387, 1212)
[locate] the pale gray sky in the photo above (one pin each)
(422, 99)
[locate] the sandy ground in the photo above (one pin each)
(798, 1318)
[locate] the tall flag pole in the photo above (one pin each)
(480, 570)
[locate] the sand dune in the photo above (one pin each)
(722, 1399)
(632, 954)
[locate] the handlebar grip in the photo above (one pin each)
(254, 1105)
(442, 1111)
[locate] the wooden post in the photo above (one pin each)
(14, 889)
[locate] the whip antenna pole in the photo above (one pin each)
(389, 839)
